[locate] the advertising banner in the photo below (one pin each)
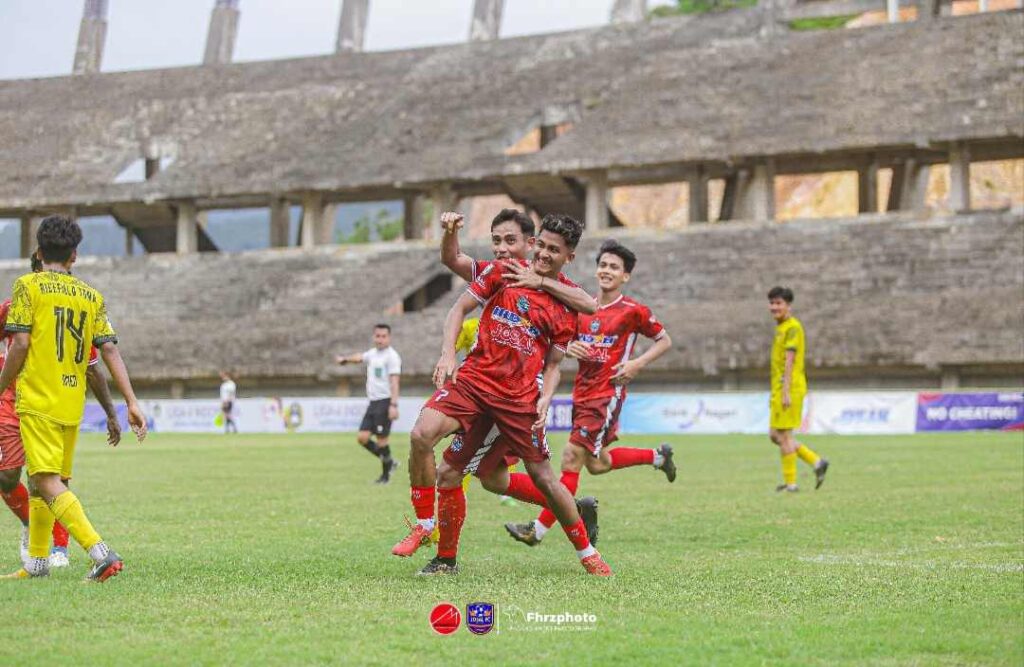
(695, 413)
(970, 412)
(860, 413)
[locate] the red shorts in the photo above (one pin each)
(595, 424)
(12, 453)
(490, 433)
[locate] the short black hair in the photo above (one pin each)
(383, 326)
(622, 252)
(58, 236)
(524, 221)
(783, 293)
(35, 262)
(566, 226)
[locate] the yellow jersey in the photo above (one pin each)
(467, 337)
(789, 335)
(64, 317)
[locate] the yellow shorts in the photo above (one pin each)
(787, 419)
(49, 445)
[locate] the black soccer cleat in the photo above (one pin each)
(819, 473)
(439, 566)
(587, 507)
(787, 488)
(667, 466)
(106, 568)
(523, 532)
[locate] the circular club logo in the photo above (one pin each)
(445, 618)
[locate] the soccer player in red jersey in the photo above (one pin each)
(521, 339)
(604, 342)
(512, 237)
(12, 453)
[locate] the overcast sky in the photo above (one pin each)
(37, 37)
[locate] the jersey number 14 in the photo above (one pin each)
(64, 320)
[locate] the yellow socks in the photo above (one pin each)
(788, 469)
(40, 527)
(807, 456)
(69, 512)
(465, 483)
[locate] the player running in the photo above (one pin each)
(789, 387)
(604, 342)
(12, 453)
(522, 336)
(53, 316)
(512, 237)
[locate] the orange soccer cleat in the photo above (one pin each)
(418, 537)
(594, 565)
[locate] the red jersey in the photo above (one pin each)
(611, 333)
(480, 265)
(517, 327)
(7, 414)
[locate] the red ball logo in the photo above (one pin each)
(445, 618)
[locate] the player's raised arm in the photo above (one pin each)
(348, 359)
(573, 296)
(451, 255)
(446, 365)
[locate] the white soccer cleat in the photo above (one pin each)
(59, 558)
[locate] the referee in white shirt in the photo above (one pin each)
(383, 369)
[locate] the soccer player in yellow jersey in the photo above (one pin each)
(789, 387)
(54, 318)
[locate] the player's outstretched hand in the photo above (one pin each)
(577, 349)
(137, 421)
(451, 221)
(625, 372)
(445, 369)
(518, 275)
(340, 360)
(113, 431)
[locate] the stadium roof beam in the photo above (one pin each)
(352, 26)
(486, 22)
(222, 32)
(92, 34)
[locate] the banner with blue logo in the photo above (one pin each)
(695, 413)
(970, 412)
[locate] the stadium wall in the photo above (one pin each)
(844, 413)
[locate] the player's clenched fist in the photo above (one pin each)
(451, 221)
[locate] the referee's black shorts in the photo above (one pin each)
(376, 418)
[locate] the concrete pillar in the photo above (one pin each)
(486, 22)
(187, 237)
(129, 241)
(280, 223)
(960, 177)
(867, 187)
(92, 34)
(950, 379)
(413, 222)
(29, 227)
(892, 10)
(443, 198)
(727, 211)
(982, 5)
(755, 194)
(628, 11)
(312, 217)
(177, 389)
(352, 26)
(596, 211)
(220, 36)
(928, 10)
(698, 195)
(328, 220)
(913, 180)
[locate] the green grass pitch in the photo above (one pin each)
(275, 550)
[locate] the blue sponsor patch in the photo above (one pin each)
(479, 617)
(457, 443)
(594, 326)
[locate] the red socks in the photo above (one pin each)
(60, 535)
(423, 501)
(521, 487)
(17, 500)
(571, 481)
(577, 534)
(624, 457)
(451, 514)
